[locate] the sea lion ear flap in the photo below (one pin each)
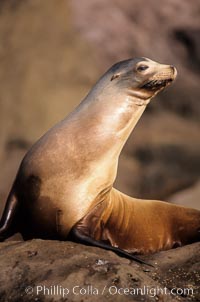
(115, 76)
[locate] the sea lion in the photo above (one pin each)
(64, 186)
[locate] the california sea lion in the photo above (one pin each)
(64, 186)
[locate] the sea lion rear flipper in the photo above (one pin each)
(7, 226)
(77, 236)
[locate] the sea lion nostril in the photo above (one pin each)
(173, 69)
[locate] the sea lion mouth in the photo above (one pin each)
(156, 84)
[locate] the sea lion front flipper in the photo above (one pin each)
(7, 223)
(77, 236)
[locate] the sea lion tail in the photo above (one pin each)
(7, 225)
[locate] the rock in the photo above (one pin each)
(189, 197)
(158, 160)
(40, 270)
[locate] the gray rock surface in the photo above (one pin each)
(40, 270)
(189, 197)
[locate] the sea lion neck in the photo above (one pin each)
(110, 112)
(107, 120)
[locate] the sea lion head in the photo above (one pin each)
(140, 78)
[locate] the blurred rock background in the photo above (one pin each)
(52, 52)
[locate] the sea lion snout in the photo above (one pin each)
(144, 78)
(162, 76)
(167, 71)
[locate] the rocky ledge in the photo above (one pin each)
(41, 270)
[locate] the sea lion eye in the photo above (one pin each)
(142, 67)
